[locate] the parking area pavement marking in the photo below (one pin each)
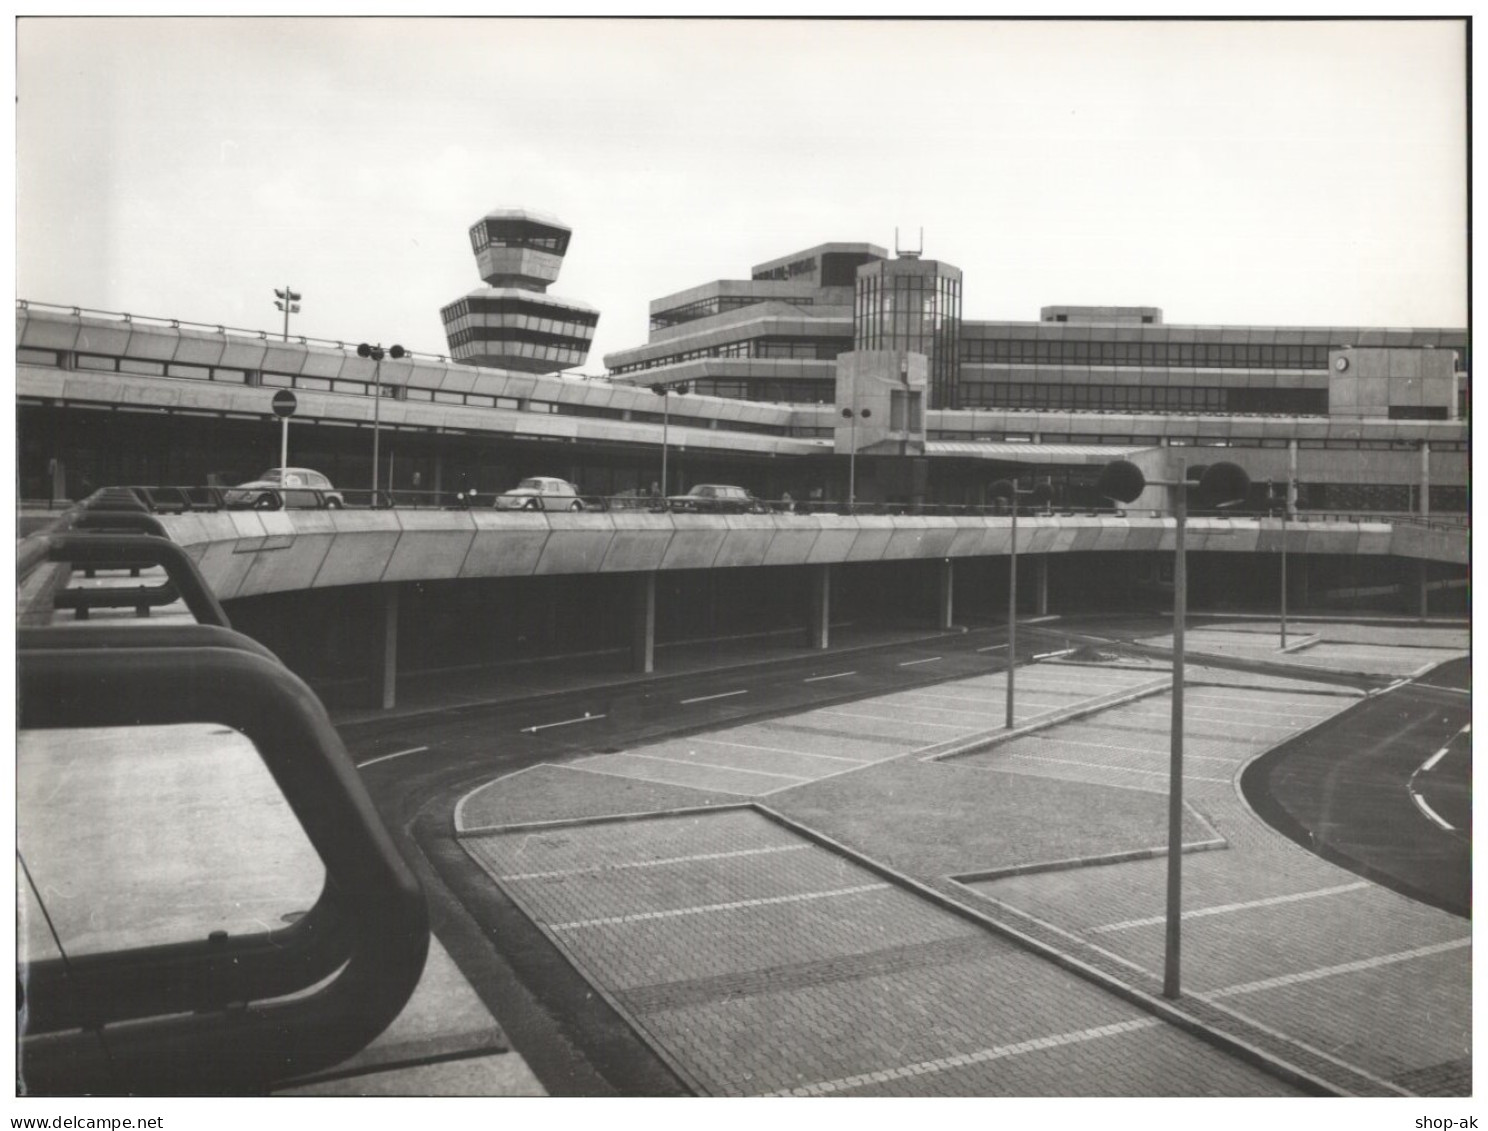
(713, 908)
(779, 750)
(591, 768)
(1342, 968)
(720, 695)
(1127, 749)
(944, 1063)
(600, 869)
(834, 675)
(1227, 908)
(709, 766)
(892, 719)
(1107, 766)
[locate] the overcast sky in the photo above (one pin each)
(1261, 172)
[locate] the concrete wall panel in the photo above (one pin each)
(640, 543)
(695, 543)
(364, 544)
(506, 544)
(792, 543)
(433, 545)
(838, 533)
(874, 534)
(287, 568)
(748, 541)
(572, 550)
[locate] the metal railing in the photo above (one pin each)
(225, 1013)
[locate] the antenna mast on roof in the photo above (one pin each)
(905, 253)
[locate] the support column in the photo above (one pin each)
(643, 630)
(945, 608)
(1425, 479)
(1423, 586)
(389, 646)
(817, 635)
(1041, 587)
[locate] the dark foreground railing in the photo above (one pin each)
(224, 1014)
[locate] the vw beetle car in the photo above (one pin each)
(540, 493)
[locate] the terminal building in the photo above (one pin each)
(834, 371)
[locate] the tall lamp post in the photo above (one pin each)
(1286, 499)
(376, 353)
(289, 302)
(1040, 494)
(664, 391)
(1220, 484)
(853, 414)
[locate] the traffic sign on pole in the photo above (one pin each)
(285, 403)
(284, 407)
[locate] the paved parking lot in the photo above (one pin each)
(764, 758)
(758, 962)
(1386, 651)
(732, 942)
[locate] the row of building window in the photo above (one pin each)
(518, 233)
(1144, 398)
(1153, 441)
(768, 389)
(1207, 355)
(1397, 498)
(801, 349)
(707, 307)
(534, 312)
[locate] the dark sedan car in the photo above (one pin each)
(716, 498)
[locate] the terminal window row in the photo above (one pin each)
(1220, 355)
(542, 311)
(719, 304)
(1139, 398)
(803, 349)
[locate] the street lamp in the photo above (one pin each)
(289, 302)
(853, 414)
(1287, 498)
(663, 391)
(1218, 485)
(376, 354)
(1040, 494)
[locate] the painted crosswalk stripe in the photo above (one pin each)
(705, 765)
(1224, 909)
(982, 1056)
(711, 908)
(1344, 968)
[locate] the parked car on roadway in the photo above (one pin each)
(299, 487)
(541, 493)
(717, 498)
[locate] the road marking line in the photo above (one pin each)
(1436, 687)
(587, 718)
(705, 765)
(385, 757)
(1431, 813)
(991, 647)
(1345, 968)
(892, 719)
(912, 663)
(835, 675)
(1118, 769)
(781, 750)
(1131, 749)
(720, 695)
(1223, 909)
(1433, 760)
(709, 908)
(599, 869)
(981, 1056)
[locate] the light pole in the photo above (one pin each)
(664, 391)
(853, 414)
(1040, 493)
(1286, 505)
(1220, 484)
(376, 353)
(289, 302)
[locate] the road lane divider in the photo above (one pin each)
(927, 660)
(834, 675)
(586, 718)
(720, 695)
(388, 757)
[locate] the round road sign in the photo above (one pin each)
(285, 403)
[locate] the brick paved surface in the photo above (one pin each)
(756, 961)
(736, 945)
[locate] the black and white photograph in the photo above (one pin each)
(846, 555)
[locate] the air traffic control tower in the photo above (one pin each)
(511, 322)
